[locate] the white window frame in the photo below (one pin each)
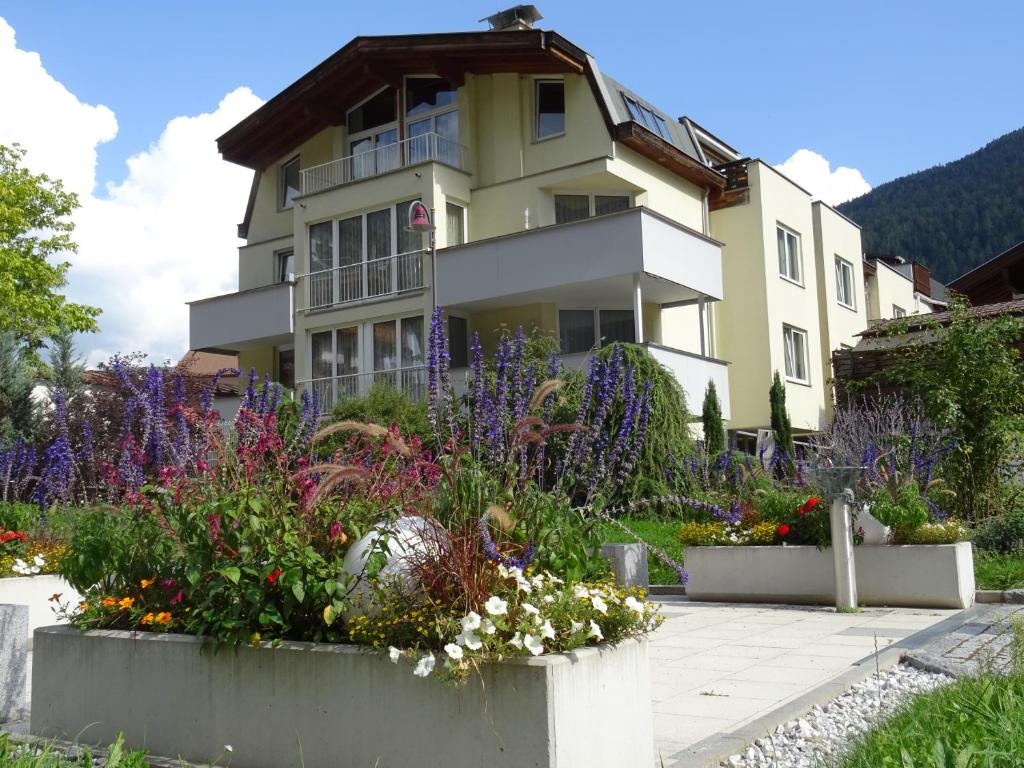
(283, 202)
(591, 199)
(394, 125)
(536, 108)
(799, 279)
(792, 372)
(898, 312)
(841, 266)
(430, 114)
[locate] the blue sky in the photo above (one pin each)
(884, 87)
(123, 100)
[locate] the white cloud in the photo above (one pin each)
(813, 172)
(162, 236)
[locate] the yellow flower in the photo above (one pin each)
(146, 583)
(82, 606)
(147, 619)
(126, 602)
(163, 618)
(109, 601)
(254, 639)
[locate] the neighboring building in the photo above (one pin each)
(898, 288)
(563, 201)
(999, 279)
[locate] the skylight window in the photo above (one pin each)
(647, 117)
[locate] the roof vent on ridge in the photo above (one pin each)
(515, 18)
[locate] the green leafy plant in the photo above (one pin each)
(782, 429)
(711, 419)
(1002, 533)
(899, 505)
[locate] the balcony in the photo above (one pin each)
(604, 258)
(328, 391)
(374, 279)
(242, 320)
(425, 148)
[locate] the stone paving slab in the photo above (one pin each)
(982, 642)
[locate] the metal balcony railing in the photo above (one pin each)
(412, 380)
(364, 280)
(388, 157)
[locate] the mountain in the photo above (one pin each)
(951, 217)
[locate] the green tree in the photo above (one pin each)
(971, 381)
(66, 368)
(19, 415)
(34, 228)
(782, 429)
(711, 416)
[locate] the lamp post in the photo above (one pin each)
(420, 220)
(837, 484)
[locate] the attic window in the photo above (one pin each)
(647, 117)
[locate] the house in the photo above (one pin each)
(999, 279)
(562, 200)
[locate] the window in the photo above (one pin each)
(898, 312)
(432, 102)
(373, 135)
(456, 223)
(576, 207)
(577, 328)
(647, 117)
(550, 103)
(458, 342)
(290, 183)
(285, 266)
(795, 348)
(844, 283)
(789, 255)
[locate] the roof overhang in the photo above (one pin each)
(653, 147)
(322, 96)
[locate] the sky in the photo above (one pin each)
(123, 100)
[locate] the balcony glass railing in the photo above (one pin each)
(365, 280)
(411, 380)
(382, 159)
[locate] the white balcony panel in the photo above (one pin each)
(603, 251)
(243, 319)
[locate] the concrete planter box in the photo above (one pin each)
(35, 592)
(915, 575)
(344, 706)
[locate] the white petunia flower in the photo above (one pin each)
(38, 560)
(595, 631)
(576, 627)
(394, 654)
(538, 581)
(454, 651)
(488, 627)
(425, 665)
(599, 605)
(580, 592)
(548, 599)
(471, 621)
(531, 609)
(546, 630)
(524, 586)
(469, 639)
(554, 579)
(533, 644)
(495, 606)
(503, 571)
(635, 605)
(516, 641)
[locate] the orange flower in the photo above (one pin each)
(147, 619)
(55, 597)
(146, 583)
(109, 601)
(163, 618)
(126, 602)
(82, 606)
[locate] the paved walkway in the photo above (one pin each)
(984, 641)
(718, 667)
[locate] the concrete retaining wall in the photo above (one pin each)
(917, 575)
(35, 592)
(343, 705)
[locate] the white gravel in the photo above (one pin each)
(825, 733)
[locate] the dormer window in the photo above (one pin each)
(373, 135)
(432, 120)
(647, 117)
(549, 100)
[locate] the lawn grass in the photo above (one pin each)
(14, 754)
(660, 533)
(994, 571)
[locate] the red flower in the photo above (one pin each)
(272, 576)
(783, 529)
(811, 503)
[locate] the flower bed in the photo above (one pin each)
(337, 704)
(913, 575)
